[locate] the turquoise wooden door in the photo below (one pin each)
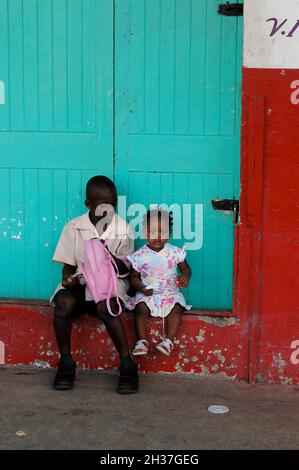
(165, 116)
(56, 128)
(178, 86)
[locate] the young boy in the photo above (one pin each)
(71, 298)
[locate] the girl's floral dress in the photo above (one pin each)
(158, 271)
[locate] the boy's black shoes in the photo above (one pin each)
(65, 375)
(128, 379)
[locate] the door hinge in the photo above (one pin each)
(227, 205)
(231, 9)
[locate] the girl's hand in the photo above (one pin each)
(182, 281)
(147, 292)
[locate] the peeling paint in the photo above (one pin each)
(278, 362)
(219, 321)
(17, 237)
(43, 364)
(219, 356)
(201, 336)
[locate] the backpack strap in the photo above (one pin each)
(113, 284)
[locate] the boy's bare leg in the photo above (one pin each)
(114, 326)
(64, 307)
(141, 319)
(174, 321)
(66, 372)
(128, 370)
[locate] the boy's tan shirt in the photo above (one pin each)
(70, 246)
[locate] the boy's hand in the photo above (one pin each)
(69, 281)
(182, 281)
(147, 292)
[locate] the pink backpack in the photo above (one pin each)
(100, 273)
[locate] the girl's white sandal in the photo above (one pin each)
(165, 347)
(141, 348)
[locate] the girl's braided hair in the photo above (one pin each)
(160, 215)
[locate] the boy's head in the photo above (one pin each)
(100, 190)
(157, 225)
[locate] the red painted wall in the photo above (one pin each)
(275, 147)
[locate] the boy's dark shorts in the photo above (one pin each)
(82, 305)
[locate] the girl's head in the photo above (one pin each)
(157, 225)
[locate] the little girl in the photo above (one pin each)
(154, 276)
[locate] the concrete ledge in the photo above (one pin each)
(205, 345)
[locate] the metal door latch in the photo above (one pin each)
(231, 9)
(227, 205)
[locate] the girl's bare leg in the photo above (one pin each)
(141, 319)
(174, 321)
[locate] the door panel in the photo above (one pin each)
(178, 86)
(56, 129)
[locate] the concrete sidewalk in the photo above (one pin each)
(168, 413)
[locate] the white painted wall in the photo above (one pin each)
(279, 50)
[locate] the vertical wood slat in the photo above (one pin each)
(210, 252)
(17, 231)
(152, 63)
(4, 76)
(30, 25)
(182, 67)
(90, 83)
(238, 81)
(45, 217)
(122, 94)
(16, 63)
(225, 243)
(213, 69)
(59, 217)
(60, 84)
(74, 64)
(228, 76)
(45, 65)
(31, 234)
(196, 257)
(137, 66)
(5, 233)
(137, 195)
(197, 71)
(74, 193)
(167, 54)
